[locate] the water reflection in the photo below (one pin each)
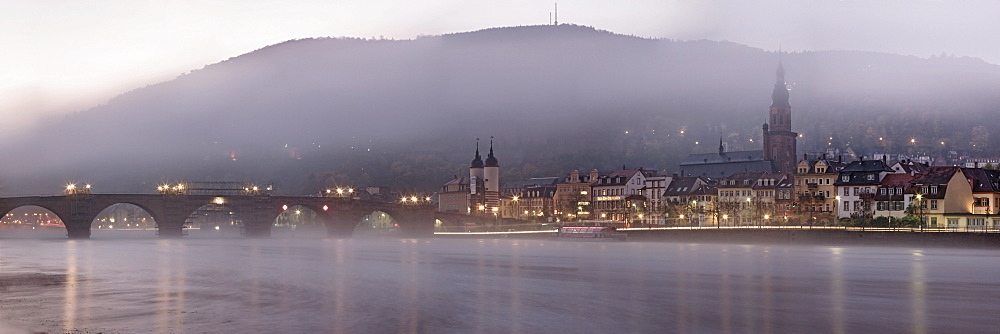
(767, 287)
(918, 292)
(482, 304)
(837, 289)
(682, 302)
(516, 275)
(490, 286)
(170, 285)
(340, 291)
(409, 259)
(726, 305)
(70, 303)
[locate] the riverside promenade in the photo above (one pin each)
(801, 235)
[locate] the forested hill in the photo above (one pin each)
(314, 112)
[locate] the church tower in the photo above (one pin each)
(491, 180)
(477, 196)
(779, 140)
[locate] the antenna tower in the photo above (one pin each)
(557, 13)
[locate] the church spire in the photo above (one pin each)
(721, 149)
(781, 69)
(779, 97)
(779, 140)
(780, 73)
(477, 162)
(491, 161)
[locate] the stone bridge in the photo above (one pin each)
(257, 212)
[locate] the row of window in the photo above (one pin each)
(847, 177)
(766, 182)
(732, 193)
(805, 170)
(953, 222)
(614, 192)
(760, 193)
(887, 206)
(824, 193)
(847, 191)
(698, 198)
(933, 202)
(853, 206)
(608, 180)
(890, 206)
(733, 182)
(891, 191)
(798, 182)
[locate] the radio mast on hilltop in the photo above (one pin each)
(557, 14)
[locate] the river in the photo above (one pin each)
(289, 285)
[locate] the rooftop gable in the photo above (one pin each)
(937, 175)
(867, 166)
(741, 180)
(724, 157)
(983, 180)
(681, 186)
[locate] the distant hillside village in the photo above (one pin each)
(772, 186)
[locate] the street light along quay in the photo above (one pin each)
(920, 210)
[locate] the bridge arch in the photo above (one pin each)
(125, 215)
(300, 220)
(31, 217)
(377, 223)
(217, 219)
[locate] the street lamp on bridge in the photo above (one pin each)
(414, 200)
(339, 192)
(167, 189)
(72, 189)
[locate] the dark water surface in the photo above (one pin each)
(489, 286)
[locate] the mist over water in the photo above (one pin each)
(488, 286)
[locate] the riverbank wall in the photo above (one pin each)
(825, 237)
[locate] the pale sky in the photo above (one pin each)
(65, 56)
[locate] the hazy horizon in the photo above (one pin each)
(73, 57)
(310, 113)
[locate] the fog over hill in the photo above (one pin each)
(342, 111)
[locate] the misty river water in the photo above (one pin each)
(436, 285)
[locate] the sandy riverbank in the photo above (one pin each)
(19, 288)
